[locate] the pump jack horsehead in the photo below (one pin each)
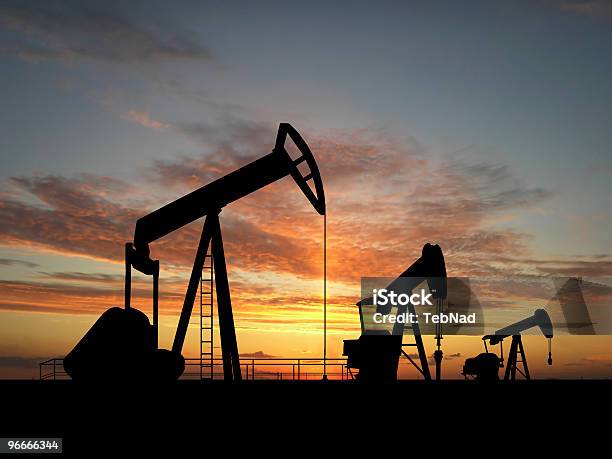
(122, 341)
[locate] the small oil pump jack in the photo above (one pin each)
(485, 366)
(122, 340)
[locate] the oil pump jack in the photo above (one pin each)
(122, 343)
(485, 366)
(376, 353)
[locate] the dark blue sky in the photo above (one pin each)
(525, 84)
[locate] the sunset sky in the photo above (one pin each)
(481, 126)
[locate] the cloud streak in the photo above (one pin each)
(144, 119)
(12, 262)
(595, 9)
(11, 361)
(105, 31)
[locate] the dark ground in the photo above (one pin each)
(256, 416)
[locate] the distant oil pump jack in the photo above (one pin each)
(375, 355)
(485, 366)
(123, 343)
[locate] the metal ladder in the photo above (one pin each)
(207, 319)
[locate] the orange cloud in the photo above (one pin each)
(385, 200)
(144, 119)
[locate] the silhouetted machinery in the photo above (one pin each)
(485, 366)
(122, 343)
(376, 353)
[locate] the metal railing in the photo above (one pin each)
(52, 369)
(273, 368)
(268, 368)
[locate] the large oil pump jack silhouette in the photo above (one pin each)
(122, 343)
